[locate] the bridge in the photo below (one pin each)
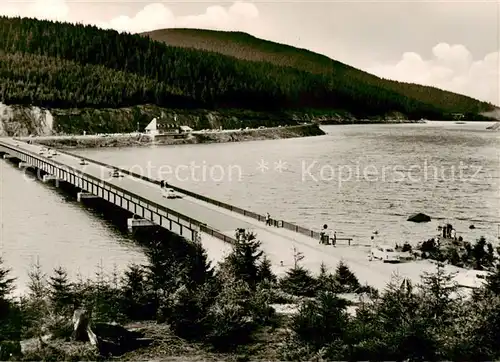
(196, 215)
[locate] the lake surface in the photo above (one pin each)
(357, 179)
(38, 223)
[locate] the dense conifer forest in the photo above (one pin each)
(60, 65)
(244, 46)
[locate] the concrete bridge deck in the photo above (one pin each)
(278, 243)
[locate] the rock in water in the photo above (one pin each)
(419, 218)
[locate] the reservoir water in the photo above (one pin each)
(40, 224)
(358, 179)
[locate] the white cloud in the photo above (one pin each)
(452, 67)
(40, 9)
(239, 16)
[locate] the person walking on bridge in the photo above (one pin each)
(268, 219)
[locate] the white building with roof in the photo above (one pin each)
(152, 128)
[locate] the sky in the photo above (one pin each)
(453, 45)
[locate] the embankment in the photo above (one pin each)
(137, 139)
(19, 121)
(307, 130)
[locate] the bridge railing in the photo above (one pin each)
(280, 223)
(195, 195)
(202, 226)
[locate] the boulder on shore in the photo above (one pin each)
(109, 338)
(419, 218)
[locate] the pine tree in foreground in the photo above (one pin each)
(61, 291)
(245, 258)
(9, 321)
(6, 284)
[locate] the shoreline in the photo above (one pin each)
(196, 137)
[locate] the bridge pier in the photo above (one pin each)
(47, 178)
(133, 223)
(23, 164)
(85, 196)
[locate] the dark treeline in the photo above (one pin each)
(245, 46)
(107, 69)
(227, 308)
(59, 83)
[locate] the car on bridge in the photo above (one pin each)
(116, 173)
(385, 253)
(83, 162)
(170, 193)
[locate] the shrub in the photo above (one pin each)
(187, 311)
(231, 318)
(346, 279)
(322, 321)
(299, 281)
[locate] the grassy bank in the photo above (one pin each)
(126, 140)
(190, 310)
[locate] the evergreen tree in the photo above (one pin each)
(105, 296)
(244, 260)
(299, 281)
(326, 281)
(479, 253)
(6, 284)
(345, 278)
(439, 306)
(37, 285)
(492, 284)
(138, 301)
(61, 291)
(9, 312)
(438, 289)
(265, 273)
(200, 269)
(321, 322)
(405, 330)
(490, 255)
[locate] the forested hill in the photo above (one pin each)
(60, 65)
(244, 46)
